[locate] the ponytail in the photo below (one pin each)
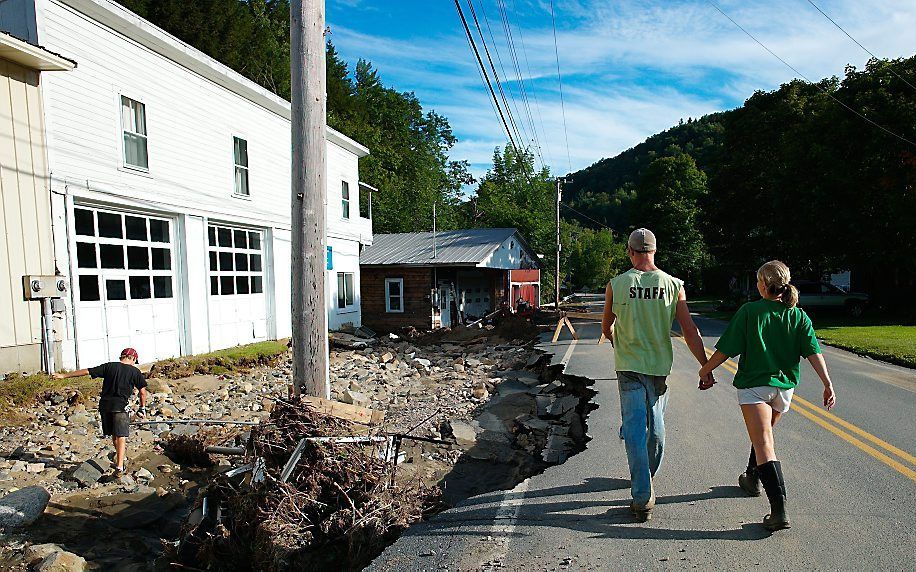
(775, 276)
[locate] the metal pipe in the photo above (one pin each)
(196, 421)
(219, 450)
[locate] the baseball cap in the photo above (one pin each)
(641, 240)
(130, 352)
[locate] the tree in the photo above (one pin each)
(667, 203)
(590, 258)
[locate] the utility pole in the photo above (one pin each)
(309, 196)
(556, 292)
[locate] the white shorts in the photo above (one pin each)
(779, 399)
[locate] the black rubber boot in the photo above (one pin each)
(775, 487)
(749, 481)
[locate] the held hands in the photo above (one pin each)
(706, 381)
(829, 397)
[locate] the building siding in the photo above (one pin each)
(417, 309)
(25, 240)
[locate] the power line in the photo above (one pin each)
(556, 51)
(537, 105)
(857, 42)
(588, 218)
(800, 74)
(499, 84)
(483, 69)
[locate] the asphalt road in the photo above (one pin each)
(851, 479)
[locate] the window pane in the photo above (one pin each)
(341, 295)
(254, 240)
(127, 114)
(241, 284)
(394, 288)
(110, 225)
(136, 228)
(348, 282)
(138, 257)
(85, 256)
(255, 262)
(256, 285)
(139, 288)
(226, 285)
(345, 190)
(214, 285)
(135, 153)
(394, 303)
(85, 225)
(241, 239)
(161, 259)
(89, 288)
(111, 255)
(241, 151)
(162, 286)
(225, 237)
(345, 208)
(241, 181)
(211, 235)
(213, 266)
(115, 290)
(159, 230)
(139, 117)
(241, 262)
(225, 261)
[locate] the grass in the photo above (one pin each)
(19, 391)
(221, 361)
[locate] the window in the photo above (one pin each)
(235, 261)
(394, 295)
(345, 199)
(365, 202)
(133, 126)
(345, 297)
(240, 157)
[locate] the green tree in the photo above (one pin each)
(667, 203)
(590, 258)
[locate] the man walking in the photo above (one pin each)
(639, 308)
(119, 379)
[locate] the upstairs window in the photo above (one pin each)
(240, 158)
(345, 199)
(133, 126)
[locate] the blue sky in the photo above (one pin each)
(630, 68)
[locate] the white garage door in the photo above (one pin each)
(238, 306)
(125, 286)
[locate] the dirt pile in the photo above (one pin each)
(335, 504)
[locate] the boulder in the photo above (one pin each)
(62, 562)
(144, 475)
(38, 552)
(86, 474)
(23, 507)
(464, 433)
(354, 398)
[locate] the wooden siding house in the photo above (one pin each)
(429, 281)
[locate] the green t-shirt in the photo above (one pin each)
(771, 337)
(645, 304)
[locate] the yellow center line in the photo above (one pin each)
(824, 419)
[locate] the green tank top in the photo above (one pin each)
(645, 304)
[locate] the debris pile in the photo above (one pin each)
(304, 502)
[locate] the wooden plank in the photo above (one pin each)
(346, 411)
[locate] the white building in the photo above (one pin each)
(170, 191)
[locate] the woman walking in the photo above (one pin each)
(770, 335)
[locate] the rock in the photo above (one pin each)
(480, 392)
(144, 475)
(386, 357)
(157, 385)
(167, 412)
(354, 398)
(247, 387)
(86, 474)
(34, 467)
(464, 433)
(423, 362)
(23, 507)
(459, 367)
(185, 429)
(491, 422)
(62, 562)
(37, 552)
(4, 476)
(80, 418)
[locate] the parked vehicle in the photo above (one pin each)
(822, 296)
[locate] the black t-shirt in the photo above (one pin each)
(119, 382)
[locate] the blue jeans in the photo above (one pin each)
(643, 399)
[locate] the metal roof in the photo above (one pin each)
(452, 247)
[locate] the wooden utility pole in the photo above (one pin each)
(556, 286)
(309, 196)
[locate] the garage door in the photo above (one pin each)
(125, 286)
(238, 306)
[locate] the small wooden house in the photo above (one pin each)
(429, 281)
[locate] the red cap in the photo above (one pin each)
(130, 352)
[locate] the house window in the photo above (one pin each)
(394, 295)
(133, 125)
(240, 158)
(345, 297)
(236, 261)
(345, 199)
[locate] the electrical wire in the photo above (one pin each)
(601, 224)
(534, 95)
(858, 43)
(556, 50)
(483, 69)
(801, 75)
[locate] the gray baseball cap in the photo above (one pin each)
(641, 240)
